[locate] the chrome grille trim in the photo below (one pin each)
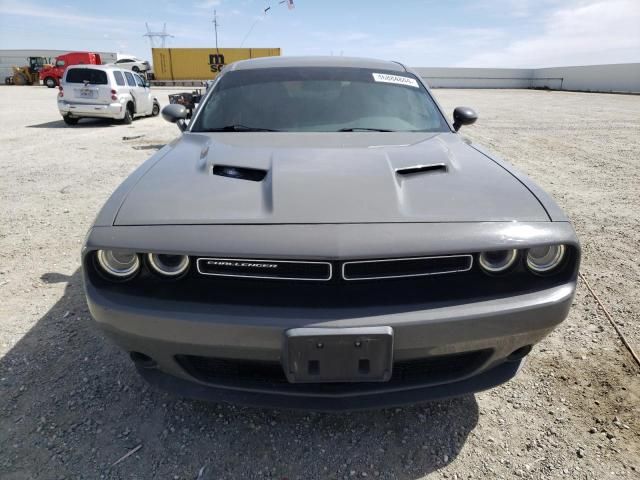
(469, 257)
(265, 277)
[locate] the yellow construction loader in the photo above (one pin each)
(27, 75)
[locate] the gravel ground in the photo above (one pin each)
(71, 404)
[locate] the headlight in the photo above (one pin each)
(544, 259)
(118, 264)
(498, 261)
(168, 265)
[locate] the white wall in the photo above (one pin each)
(20, 58)
(624, 77)
(594, 78)
(476, 77)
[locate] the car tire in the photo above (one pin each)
(50, 82)
(128, 115)
(136, 69)
(155, 110)
(70, 120)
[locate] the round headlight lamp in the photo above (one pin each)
(498, 261)
(168, 265)
(544, 259)
(118, 264)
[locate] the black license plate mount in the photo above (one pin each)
(329, 355)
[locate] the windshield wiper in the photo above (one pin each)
(363, 129)
(238, 128)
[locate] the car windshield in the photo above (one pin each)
(315, 99)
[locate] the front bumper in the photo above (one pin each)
(165, 330)
(113, 110)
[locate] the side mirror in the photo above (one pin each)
(463, 116)
(147, 84)
(176, 113)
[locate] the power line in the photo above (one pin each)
(250, 30)
(157, 37)
(289, 4)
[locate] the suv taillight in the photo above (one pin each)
(113, 95)
(61, 92)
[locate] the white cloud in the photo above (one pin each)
(60, 15)
(208, 3)
(419, 50)
(356, 36)
(340, 38)
(510, 8)
(582, 33)
(26, 10)
(442, 43)
(100, 33)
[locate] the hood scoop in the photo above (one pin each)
(295, 178)
(240, 173)
(413, 169)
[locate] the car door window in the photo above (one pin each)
(130, 81)
(119, 78)
(139, 81)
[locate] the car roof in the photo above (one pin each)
(104, 67)
(311, 61)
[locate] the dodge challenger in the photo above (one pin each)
(320, 236)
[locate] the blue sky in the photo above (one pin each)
(483, 33)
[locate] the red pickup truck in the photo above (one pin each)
(51, 74)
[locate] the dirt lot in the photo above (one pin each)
(71, 404)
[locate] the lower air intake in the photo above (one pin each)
(263, 375)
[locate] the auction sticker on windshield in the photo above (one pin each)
(398, 79)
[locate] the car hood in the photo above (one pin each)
(326, 178)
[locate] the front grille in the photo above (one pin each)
(387, 295)
(265, 269)
(270, 375)
(405, 267)
(322, 271)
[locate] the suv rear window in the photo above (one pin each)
(87, 75)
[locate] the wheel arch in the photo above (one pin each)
(131, 102)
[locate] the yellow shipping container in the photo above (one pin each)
(200, 63)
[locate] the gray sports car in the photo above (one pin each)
(320, 236)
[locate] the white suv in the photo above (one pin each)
(101, 91)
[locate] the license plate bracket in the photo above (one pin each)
(327, 355)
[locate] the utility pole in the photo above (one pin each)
(161, 36)
(215, 28)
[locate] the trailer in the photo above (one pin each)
(187, 64)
